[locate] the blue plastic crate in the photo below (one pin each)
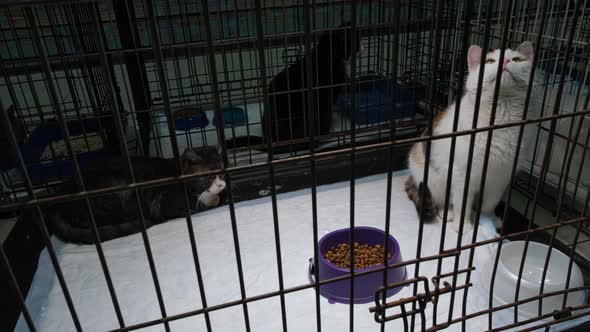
(374, 100)
(42, 172)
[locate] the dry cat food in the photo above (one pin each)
(364, 255)
(78, 145)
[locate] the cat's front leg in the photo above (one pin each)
(457, 196)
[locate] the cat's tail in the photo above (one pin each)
(84, 235)
(426, 203)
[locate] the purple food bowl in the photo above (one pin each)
(365, 285)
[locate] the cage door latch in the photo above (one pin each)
(418, 301)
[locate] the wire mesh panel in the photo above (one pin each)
(67, 33)
(206, 153)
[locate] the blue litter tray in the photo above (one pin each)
(233, 116)
(55, 170)
(374, 101)
(188, 119)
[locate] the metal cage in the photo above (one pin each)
(89, 78)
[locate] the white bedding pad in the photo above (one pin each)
(128, 265)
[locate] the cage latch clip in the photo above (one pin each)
(446, 286)
(381, 306)
(421, 299)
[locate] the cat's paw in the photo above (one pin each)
(440, 215)
(217, 186)
(209, 199)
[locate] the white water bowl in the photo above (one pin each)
(530, 285)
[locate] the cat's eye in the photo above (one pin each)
(516, 59)
(489, 61)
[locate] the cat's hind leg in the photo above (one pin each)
(492, 195)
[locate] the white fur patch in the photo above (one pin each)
(210, 197)
(514, 79)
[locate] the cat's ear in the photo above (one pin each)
(526, 49)
(473, 57)
(191, 156)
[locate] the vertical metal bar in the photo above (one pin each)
(583, 160)
(221, 135)
(436, 27)
(17, 292)
(28, 80)
(59, 43)
(567, 170)
(85, 41)
(503, 42)
(518, 147)
(352, 31)
(156, 44)
(83, 69)
(468, 9)
(191, 231)
(196, 87)
(81, 186)
(312, 132)
(313, 113)
(135, 67)
(465, 210)
(554, 9)
(572, 254)
(223, 53)
(41, 224)
(393, 105)
(42, 50)
(161, 73)
(104, 62)
(563, 173)
(242, 84)
(84, 29)
(271, 170)
(562, 195)
(547, 157)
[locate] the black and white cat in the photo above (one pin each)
(288, 104)
(117, 214)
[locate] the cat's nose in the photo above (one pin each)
(505, 66)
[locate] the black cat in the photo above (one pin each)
(117, 214)
(329, 60)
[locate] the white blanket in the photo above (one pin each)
(170, 245)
